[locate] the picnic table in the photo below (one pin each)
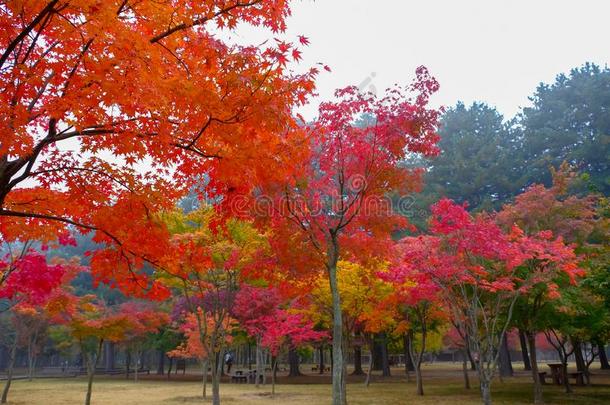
(239, 377)
(556, 372)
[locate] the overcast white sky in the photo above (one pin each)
(495, 51)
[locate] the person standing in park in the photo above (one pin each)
(229, 361)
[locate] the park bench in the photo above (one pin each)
(542, 377)
(252, 377)
(578, 376)
(140, 371)
(239, 377)
(57, 372)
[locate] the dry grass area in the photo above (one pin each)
(442, 386)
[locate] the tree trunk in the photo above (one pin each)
(603, 358)
(273, 368)
(485, 392)
(109, 356)
(407, 353)
(418, 379)
(524, 354)
(161, 363)
(9, 372)
(506, 367)
(385, 360)
(473, 365)
(31, 359)
(169, 368)
(465, 369)
(367, 381)
(293, 361)
(127, 364)
(216, 366)
(531, 338)
(260, 370)
(91, 366)
(580, 361)
(321, 366)
(581, 364)
(564, 372)
(358, 361)
(135, 372)
(338, 390)
(90, 375)
(376, 353)
(418, 356)
(204, 378)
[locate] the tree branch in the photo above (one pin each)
(200, 21)
(47, 9)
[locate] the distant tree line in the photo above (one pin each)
(486, 159)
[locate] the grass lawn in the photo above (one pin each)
(441, 387)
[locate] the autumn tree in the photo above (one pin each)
(274, 327)
(255, 309)
(110, 109)
(364, 312)
(482, 272)
(205, 264)
(336, 201)
(90, 323)
(31, 325)
(145, 320)
(538, 211)
(417, 297)
(27, 281)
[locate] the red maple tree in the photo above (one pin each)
(112, 110)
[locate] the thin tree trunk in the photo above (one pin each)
(581, 364)
(338, 390)
(564, 372)
(580, 361)
(418, 356)
(259, 366)
(91, 366)
(376, 353)
(9, 372)
(465, 369)
(358, 361)
(321, 366)
(204, 372)
(531, 338)
(273, 368)
(506, 367)
(524, 354)
(385, 360)
(216, 365)
(31, 358)
(603, 358)
(161, 363)
(127, 364)
(367, 381)
(169, 368)
(485, 392)
(473, 365)
(109, 356)
(135, 372)
(407, 353)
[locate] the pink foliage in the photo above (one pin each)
(260, 314)
(30, 278)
